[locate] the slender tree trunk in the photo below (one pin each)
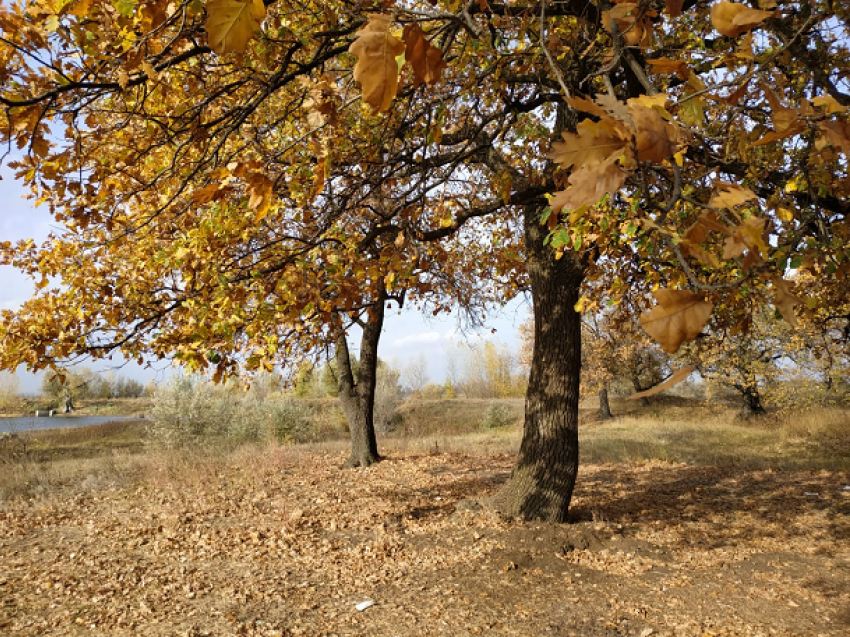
(358, 396)
(604, 404)
(542, 481)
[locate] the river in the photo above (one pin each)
(33, 423)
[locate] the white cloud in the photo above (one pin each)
(417, 339)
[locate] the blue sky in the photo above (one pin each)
(407, 335)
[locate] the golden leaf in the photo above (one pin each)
(732, 19)
(747, 236)
(586, 106)
(730, 195)
(259, 193)
(123, 78)
(592, 144)
(589, 185)
(785, 300)
(828, 102)
(231, 23)
(678, 318)
(376, 69)
(652, 134)
(675, 378)
(425, 59)
(783, 118)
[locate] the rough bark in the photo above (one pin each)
(542, 481)
(752, 400)
(604, 404)
(358, 396)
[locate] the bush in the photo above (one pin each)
(497, 416)
(290, 420)
(188, 410)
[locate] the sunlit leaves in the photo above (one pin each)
(602, 153)
(733, 19)
(377, 69)
(231, 23)
(679, 317)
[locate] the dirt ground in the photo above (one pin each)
(284, 542)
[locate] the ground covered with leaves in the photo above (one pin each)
(281, 541)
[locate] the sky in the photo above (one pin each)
(407, 335)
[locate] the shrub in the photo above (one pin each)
(290, 420)
(496, 416)
(188, 410)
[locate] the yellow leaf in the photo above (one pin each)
(259, 194)
(425, 59)
(589, 185)
(231, 23)
(730, 195)
(677, 377)
(592, 144)
(679, 317)
(732, 19)
(784, 214)
(828, 102)
(376, 69)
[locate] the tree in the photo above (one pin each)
(9, 387)
(226, 196)
(416, 373)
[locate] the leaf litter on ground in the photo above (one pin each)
(281, 541)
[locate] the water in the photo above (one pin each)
(31, 423)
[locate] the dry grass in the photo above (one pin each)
(674, 430)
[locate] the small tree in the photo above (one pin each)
(9, 387)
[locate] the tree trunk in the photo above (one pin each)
(541, 484)
(752, 400)
(604, 404)
(358, 396)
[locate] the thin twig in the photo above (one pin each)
(548, 55)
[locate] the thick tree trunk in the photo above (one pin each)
(358, 396)
(541, 484)
(604, 405)
(752, 401)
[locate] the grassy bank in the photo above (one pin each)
(674, 430)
